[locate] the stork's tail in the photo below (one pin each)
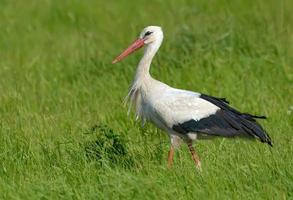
(253, 128)
(245, 121)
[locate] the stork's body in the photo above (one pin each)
(183, 114)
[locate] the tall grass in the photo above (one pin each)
(57, 86)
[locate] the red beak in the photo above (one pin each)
(137, 44)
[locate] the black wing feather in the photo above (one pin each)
(227, 122)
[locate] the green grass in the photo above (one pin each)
(57, 89)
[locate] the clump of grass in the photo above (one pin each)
(107, 146)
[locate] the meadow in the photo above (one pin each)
(65, 134)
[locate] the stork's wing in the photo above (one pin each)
(193, 112)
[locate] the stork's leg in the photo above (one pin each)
(194, 155)
(170, 156)
(175, 143)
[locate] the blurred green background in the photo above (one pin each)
(64, 133)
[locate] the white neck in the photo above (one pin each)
(143, 69)
(143, 78)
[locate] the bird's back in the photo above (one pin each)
(174, 105)
(186, 112)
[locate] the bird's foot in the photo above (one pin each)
(198, 166)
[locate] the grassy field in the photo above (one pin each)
(61, 110)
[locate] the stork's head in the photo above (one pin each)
(150, 36)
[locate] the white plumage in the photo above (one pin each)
(181, 113)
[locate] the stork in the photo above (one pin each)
(184, 115)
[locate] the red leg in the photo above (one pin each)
(194, 155)
(170, 156)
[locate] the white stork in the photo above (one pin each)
(184, 115)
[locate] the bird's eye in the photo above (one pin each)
(148, 33)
